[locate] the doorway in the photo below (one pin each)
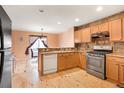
(38, 42)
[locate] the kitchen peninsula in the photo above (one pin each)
(51, 60)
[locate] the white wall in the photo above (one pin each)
(66, 39)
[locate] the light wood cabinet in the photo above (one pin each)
(62, 60)
(75, 59)
(77, 36)
(122, 73)
(67, 60)
(115, 69)
(115, 30)
(40, 65)
(86, 35)
(104, 27)
(94, 29)
(123, 28)
(112, 70)
(82, 62)
(72, 60)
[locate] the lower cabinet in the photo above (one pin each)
(115, 69)
(67, 60)
(122, 73)
(112, 70)
(82, 62)
(61, 61)
(71, 60)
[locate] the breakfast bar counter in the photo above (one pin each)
(58, 60)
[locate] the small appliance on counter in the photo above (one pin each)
(96, 61)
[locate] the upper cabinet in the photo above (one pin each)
(104, 27)
(94, 29)
(115, 30)
(113, 24)
(86, 35)
(77, 36)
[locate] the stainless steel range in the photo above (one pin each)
(96, 61)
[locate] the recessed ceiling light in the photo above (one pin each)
(77, 19)
(99, 8)
(58, 23)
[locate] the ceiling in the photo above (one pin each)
(28, 17)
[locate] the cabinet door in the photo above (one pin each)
(75, 59)
(72, 60)
(121, 70)
(104, 27)
(82, 62)
(61, 62)
(68, 60)
(112, 70)
(77, 36)
(86, 35)
(123, 27)
(95, 29)
(115, 30)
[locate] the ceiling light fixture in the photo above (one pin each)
(42, 29)
(42, 34)
(99, 8)
(40, 10)
(77, 19)
(58, 23)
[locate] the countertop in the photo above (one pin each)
(57, 52)
(116, 55)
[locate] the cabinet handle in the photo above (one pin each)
(122, 65)
(117, 64)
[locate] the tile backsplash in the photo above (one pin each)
(82, 46)
(118, 47)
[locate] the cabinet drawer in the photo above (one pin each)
(115, 59)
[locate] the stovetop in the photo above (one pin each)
(99, 52)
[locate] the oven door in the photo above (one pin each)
(95, 62)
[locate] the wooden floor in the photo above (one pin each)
(26, 76)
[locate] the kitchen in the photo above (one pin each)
(104, 55)
(88, 52)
